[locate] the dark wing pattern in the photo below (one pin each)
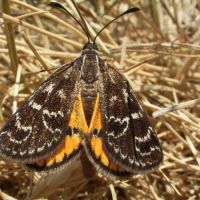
(40, 124)
(99, 157)
(94, 145)
(129, 139)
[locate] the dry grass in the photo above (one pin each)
(157, 49)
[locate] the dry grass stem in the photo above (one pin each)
(157, 50)
(172, 108)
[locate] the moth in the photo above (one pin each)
(86, 105)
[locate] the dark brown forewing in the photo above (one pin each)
(40, 124)
(129, 138)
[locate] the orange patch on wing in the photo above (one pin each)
(71, 144)
(96, 121)
(78, 120)
(96, 145)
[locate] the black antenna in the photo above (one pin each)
(130, 10)
(82, 19)
(61, 7)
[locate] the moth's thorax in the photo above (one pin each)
(90, 64)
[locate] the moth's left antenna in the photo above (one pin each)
(61, 7)
(83, 20)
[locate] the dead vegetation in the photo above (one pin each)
(157, 49)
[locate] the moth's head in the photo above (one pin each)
(90, 47)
